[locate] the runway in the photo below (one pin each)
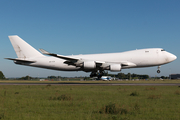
(98, 84)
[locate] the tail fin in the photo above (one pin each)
(22, 48)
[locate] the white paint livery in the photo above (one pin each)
(29, 56)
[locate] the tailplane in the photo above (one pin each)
(22, 48)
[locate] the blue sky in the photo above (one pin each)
(89, 26)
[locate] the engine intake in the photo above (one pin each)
(115, 67)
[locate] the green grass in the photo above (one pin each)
(53, 102)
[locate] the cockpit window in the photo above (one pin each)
(162, 50)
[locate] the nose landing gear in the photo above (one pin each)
(158, 71)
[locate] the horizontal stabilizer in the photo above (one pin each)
(20, 60)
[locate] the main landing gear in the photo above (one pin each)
(93, 74)
(98, 74)
(158, 71)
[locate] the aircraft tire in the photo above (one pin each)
(158, 71)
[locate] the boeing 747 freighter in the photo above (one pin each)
(94, 63)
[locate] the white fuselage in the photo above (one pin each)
(29, 56)
(139, 58)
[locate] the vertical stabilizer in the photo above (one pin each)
(22, 48)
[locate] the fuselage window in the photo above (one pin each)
(162, 50)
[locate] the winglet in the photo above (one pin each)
(44, 51)
(58, 56)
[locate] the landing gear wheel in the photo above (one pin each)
(93, 74)
(158, 71)
(97, 74)
(100, 74)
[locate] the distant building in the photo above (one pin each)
(174, 76)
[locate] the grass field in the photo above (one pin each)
(53, 102)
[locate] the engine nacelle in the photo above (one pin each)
(115, 67)
(89, 65)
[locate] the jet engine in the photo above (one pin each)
(89, 65)
(115, 67)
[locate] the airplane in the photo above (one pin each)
(97, 64)
(106, 78)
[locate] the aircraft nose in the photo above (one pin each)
(172, 57)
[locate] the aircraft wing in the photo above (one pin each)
(127, 63)
(70, 60)
(78, 62)
(59, 56)
(20, 60)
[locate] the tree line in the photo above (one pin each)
(2, 77)
(118, 75)
(128, 76)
